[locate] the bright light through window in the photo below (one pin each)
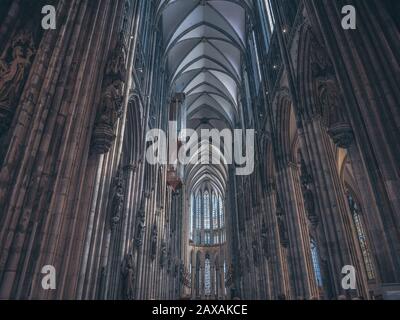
(270, 15)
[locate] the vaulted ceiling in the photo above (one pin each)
(204, 46)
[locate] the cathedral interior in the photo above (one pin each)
(318, 216)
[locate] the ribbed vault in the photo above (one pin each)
(204, 46)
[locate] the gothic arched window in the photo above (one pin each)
(270, 15)
(215, 211)
(198, 218)
(206, 211)
(207, 276)
(192, 215)
(207, 222)
(316, 264)
(362, 237)
(221, 213)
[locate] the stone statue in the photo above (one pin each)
(163, 254)
(111, 108)
(305, 176)
(309, 205)
(334, 115)
(255, 253)
(13, 70)
(154, 236)
(169, 262)
(140, 228)
(111, 103)
(282, 226)
(185, 276)
(330, 103)
(264, 238)
(129, 277)
(118, 199)
(321, 66)
(116, 65)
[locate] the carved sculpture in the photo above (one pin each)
(117, 201)
(335, 119)
(169, 262)
(309, 205)
(185, 276)
(128, 274)
(229, 278)
(308, 196)
(111, 100)
(140, 227)
(163, 254)
(154, 236)
(14, 67)
(264, 239)
(283, 235)
(255, 253)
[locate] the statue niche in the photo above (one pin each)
(128, 277)
(14, 67)
(111, 103)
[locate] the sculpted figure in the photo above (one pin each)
(154, 236)
(163, 255)
(128, 273)
(264, 238)
(13, 70)
(117, 201)
(282, 227)
(140, 228)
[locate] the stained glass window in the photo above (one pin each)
(207, 277)
(315, 260)
(215, 211)
(207, 238)
(192, 215)
(216, 240)
(221, 213)
(362, 238)
(225, 276)
(270, 15)
(198, 212)
(206, 211)
(207, 219)
(198, 218)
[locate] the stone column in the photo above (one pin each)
(364, 60)
(336, 229)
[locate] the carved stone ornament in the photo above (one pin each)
(15, 64)
(111, 104)
(342, 135)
